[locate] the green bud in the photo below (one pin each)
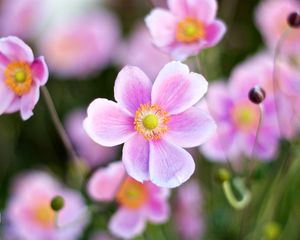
(222, 175)
(272, 231)
(57, 203)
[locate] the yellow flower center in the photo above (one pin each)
(132, 194)
(151, 121)
(245, 115)
(18, 77)
(190, 30)
(43, 215)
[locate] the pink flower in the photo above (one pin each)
(93, 153)
(186, 28)
(238, 118)
(154, 121)
(21, 77)
(271, 17)
(30, 216)
(138, 203)
(150, 59)
(188, 211)
(21, 18)
(81, 45)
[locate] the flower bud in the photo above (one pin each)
(222, 175)
(272, 231)
(294, 20)
(257, 95)
(57, 203)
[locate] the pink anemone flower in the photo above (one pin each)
(238, 118)
(138, 202)
(271, 18)
(21, 76)
(186, 28)
(155, 121)
(29, 214)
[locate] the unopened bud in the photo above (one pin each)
(257, 95)
(222, 175)
(57, 203)
(272, 231)
(294, 20)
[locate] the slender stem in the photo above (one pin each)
(275, 69)
(58, 125)
(61, 131)
(252, 158)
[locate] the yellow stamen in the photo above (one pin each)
(151, 121)
(18, 77)
(245, 115)
(190, 30)
(132, 194)
(43, 215)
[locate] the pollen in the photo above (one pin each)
(132, 194)
(190, 30)
(18, 77)
(151, 121)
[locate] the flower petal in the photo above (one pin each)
(6, 97)
(190, 128)
(162, 26)
(14, 106)
(158, 210)
(136, 157)
(169, 164)
(103, 184)
(39, 71)
(126, 223)
(132, 88)
(4, 61)
(181, 52)
(176, 90)
(108, 124)
(202, 9)
(28, 101)
(214, 33)
(15, 49)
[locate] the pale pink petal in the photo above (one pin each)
(14, 106)
(104, 183)
(15, 49)
(181, 52)
(132, 88)
(162, 26)
(202, 9)
(28, 101)
(214, 33)
(190, 128)
(158, 210)
(4, 61)
(39, 71)
(6, 97)
(108, 124)
(179, 8)
(169, 164)
(126, 223)
(176, 89)
(136, 157)
(219, 99)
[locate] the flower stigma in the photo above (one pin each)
(190, 30)
(151, 121)
(18, 77)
